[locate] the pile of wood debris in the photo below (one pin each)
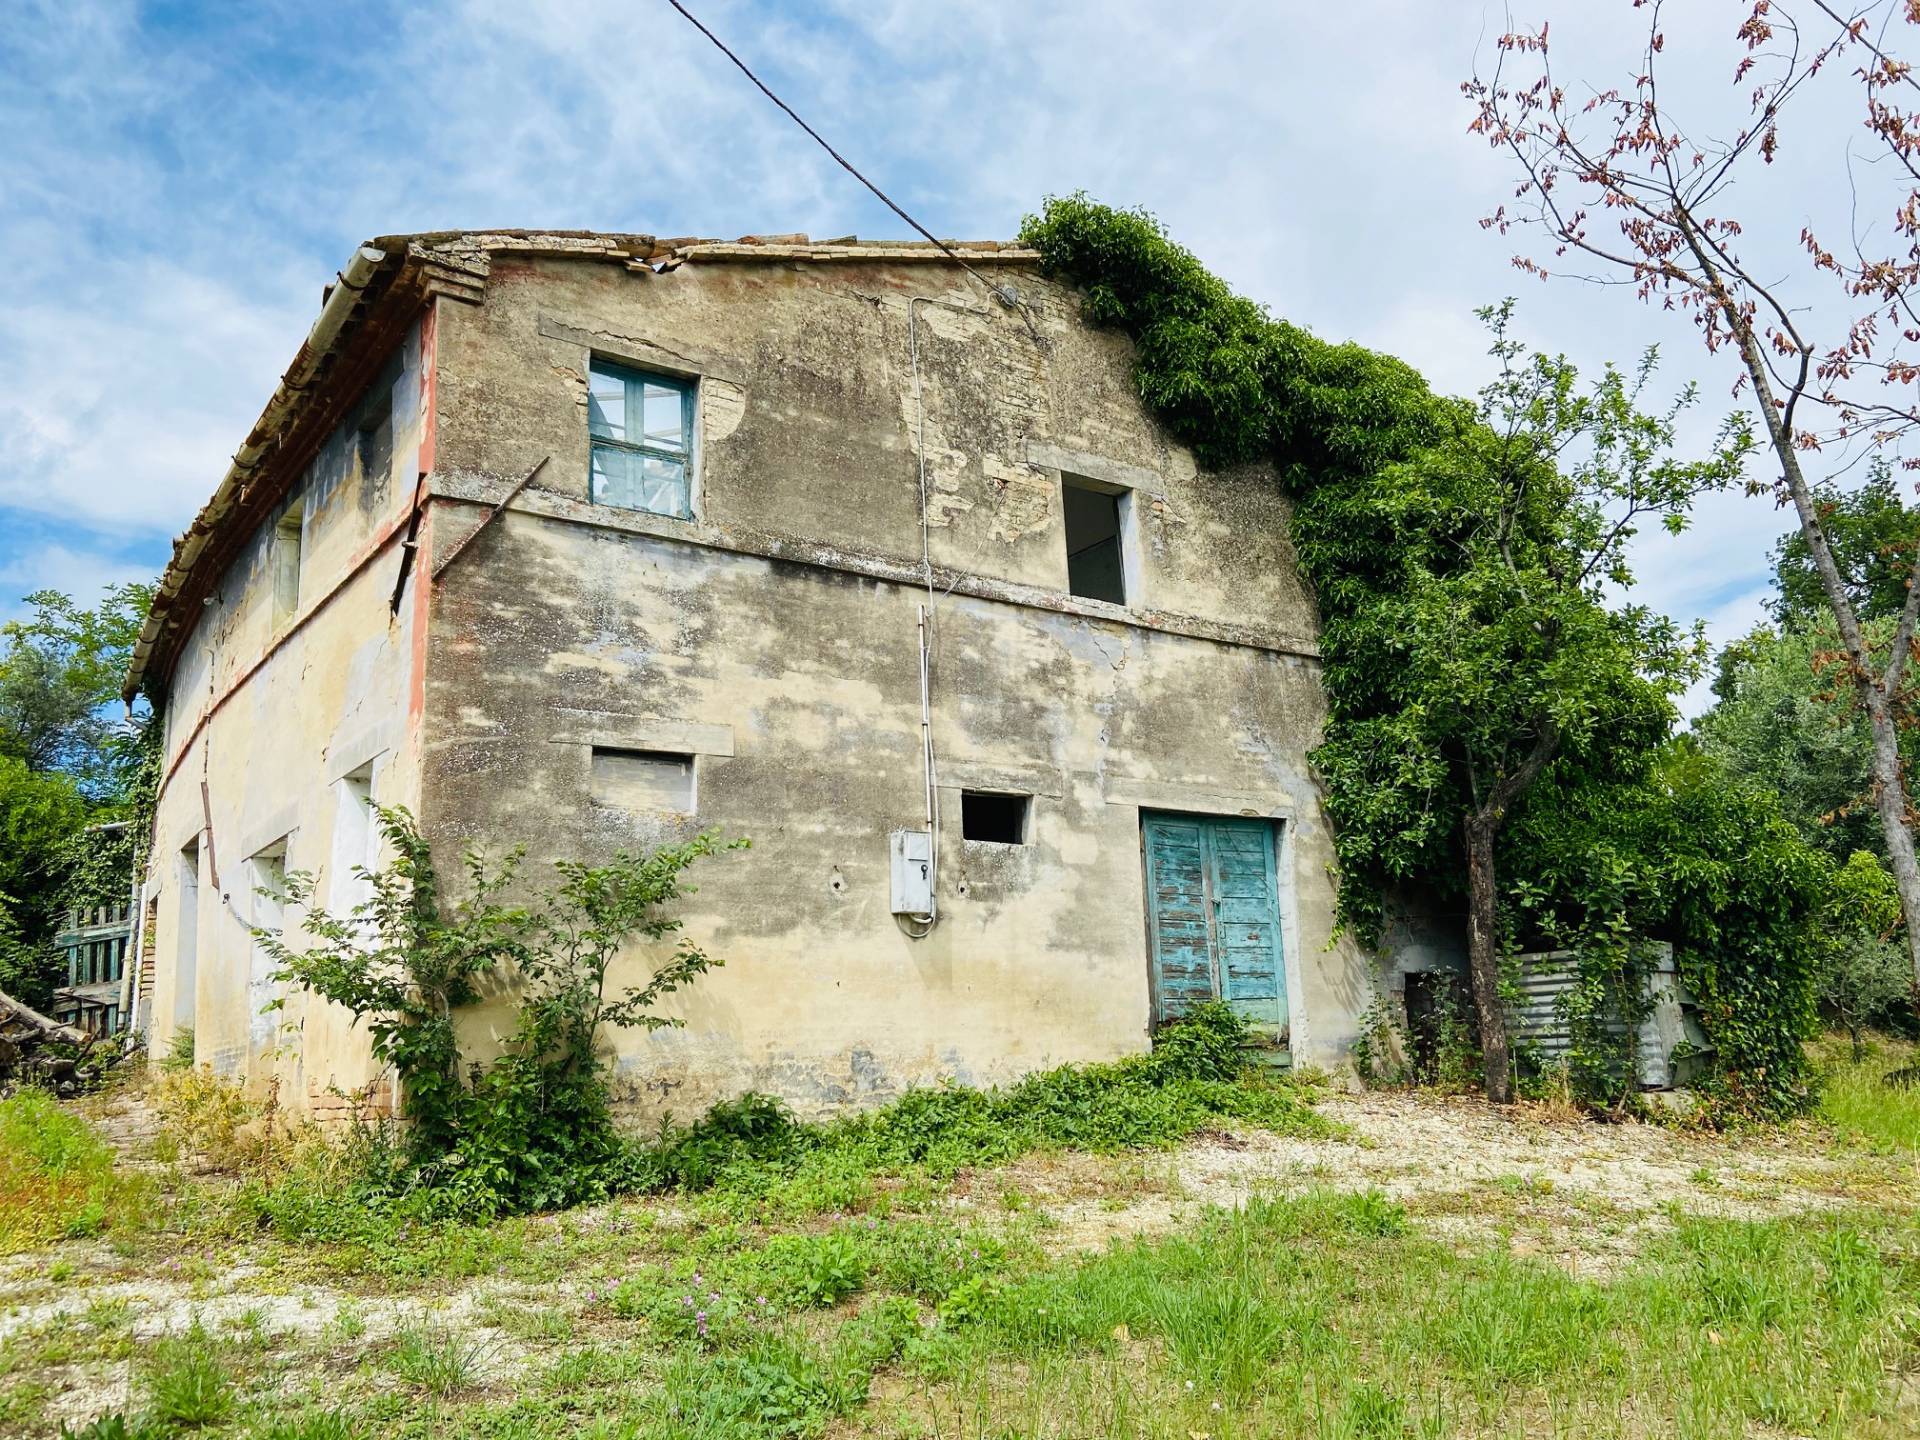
(38, 1051)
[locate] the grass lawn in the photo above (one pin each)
(1856, 1100)
(1402, 1267)
(58, 1180)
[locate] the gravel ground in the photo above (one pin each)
(1586, 1194)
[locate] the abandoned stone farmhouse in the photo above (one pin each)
(586, 542)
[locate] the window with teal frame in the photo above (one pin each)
(642, 428)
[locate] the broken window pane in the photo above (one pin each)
(639, 481)
(642, 429)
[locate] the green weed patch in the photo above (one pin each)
(1321, 1315)
(752, 1158)
(1857, 1099)
(57, 1177)
(1194, 1078)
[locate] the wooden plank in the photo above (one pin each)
(1247, 921)
(1179, 925)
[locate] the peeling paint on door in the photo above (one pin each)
(1213, 918)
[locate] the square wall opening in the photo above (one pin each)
(642, 779)
(997, 819)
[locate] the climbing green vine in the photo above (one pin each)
(1471, 661)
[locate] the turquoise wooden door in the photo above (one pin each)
(1213, 918)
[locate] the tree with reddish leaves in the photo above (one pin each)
(1614, 188)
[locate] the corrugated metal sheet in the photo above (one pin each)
(1539, 1016)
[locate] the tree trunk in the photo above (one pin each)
(1890, 799)
(22, 1013)
(1877, 692)
(1483, 961)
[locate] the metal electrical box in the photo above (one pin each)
(912, 872)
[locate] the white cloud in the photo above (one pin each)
(1727, 621)
(126, 388)
(177, 195)
(82, 574)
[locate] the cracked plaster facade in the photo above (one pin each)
(773, 638)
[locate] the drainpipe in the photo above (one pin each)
(1006, 296)
(136, 943)
(927, 763)
(927, 760)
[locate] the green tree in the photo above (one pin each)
(1684, 852)
(531, 1128)
(1872, 536)
(1787, 713)
(1613, 182)
(29, 968)
(405, 964)
(1491, 650)
(39, 812)
(61, 670)
(1863, 972)
(1460, 555)
(70, 757)
(1785, 719)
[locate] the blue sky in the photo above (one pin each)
(181, 179)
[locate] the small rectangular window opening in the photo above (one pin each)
(267, 879)
(356, 843)
(642, 780)
(996, 819)
(642, 439)
(1095, 521)
(187, 937)
(286, 566)
(267, 884)
(373, 441)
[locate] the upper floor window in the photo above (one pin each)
(284, 556)
(642, 428)
(373, 434)
(1096, 523)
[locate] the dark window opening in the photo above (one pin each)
(373, 426)
(375, 442)
(997, 819)
(1094, 521)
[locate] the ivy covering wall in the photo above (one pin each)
(1629, 830)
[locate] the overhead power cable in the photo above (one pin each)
(1003, 294)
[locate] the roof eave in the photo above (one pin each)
(346, 295)
(376, 279)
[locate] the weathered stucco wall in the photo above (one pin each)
(274, 707)
(808, 423)
(773, 635)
